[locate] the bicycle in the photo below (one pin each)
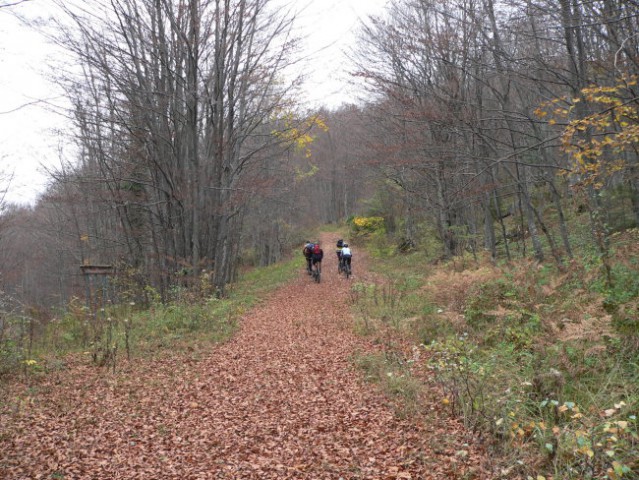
(346, 268)
(317, 272)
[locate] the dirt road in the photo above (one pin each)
(282, 400)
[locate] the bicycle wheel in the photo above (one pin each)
(347, 270)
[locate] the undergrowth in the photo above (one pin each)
(193, 317)
(393, 374)
(542, 361)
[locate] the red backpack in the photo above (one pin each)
(316, 249)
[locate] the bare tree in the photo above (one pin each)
(458, 84)
(174, 102)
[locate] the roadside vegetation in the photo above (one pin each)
(540, 360)
(135, 323)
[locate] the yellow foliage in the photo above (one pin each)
(596, 141)
(295, 132)
(301, 175)
(368, 224)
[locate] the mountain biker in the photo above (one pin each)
(308, 254)
(317, 256)
(346, 255)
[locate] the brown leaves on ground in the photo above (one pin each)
(280, 401)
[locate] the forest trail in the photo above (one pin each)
(282, 400)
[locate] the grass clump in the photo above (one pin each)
(393, 374)
(394, 303)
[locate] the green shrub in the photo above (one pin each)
(11, 356)
(484, 298)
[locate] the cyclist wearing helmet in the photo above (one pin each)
(346, 255)
(317, 256)
(308, 255)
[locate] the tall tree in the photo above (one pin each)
(173, 104)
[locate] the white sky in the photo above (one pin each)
(330, 27)
(28, 139)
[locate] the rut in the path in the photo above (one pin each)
(282, 400)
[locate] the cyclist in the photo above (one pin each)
(317, 256)
(308, 255)
(346, 256)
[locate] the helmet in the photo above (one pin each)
(346, 245)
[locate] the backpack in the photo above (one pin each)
(316, 249)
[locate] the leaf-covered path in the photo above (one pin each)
(282, 400)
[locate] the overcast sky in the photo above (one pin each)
(28, 139)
